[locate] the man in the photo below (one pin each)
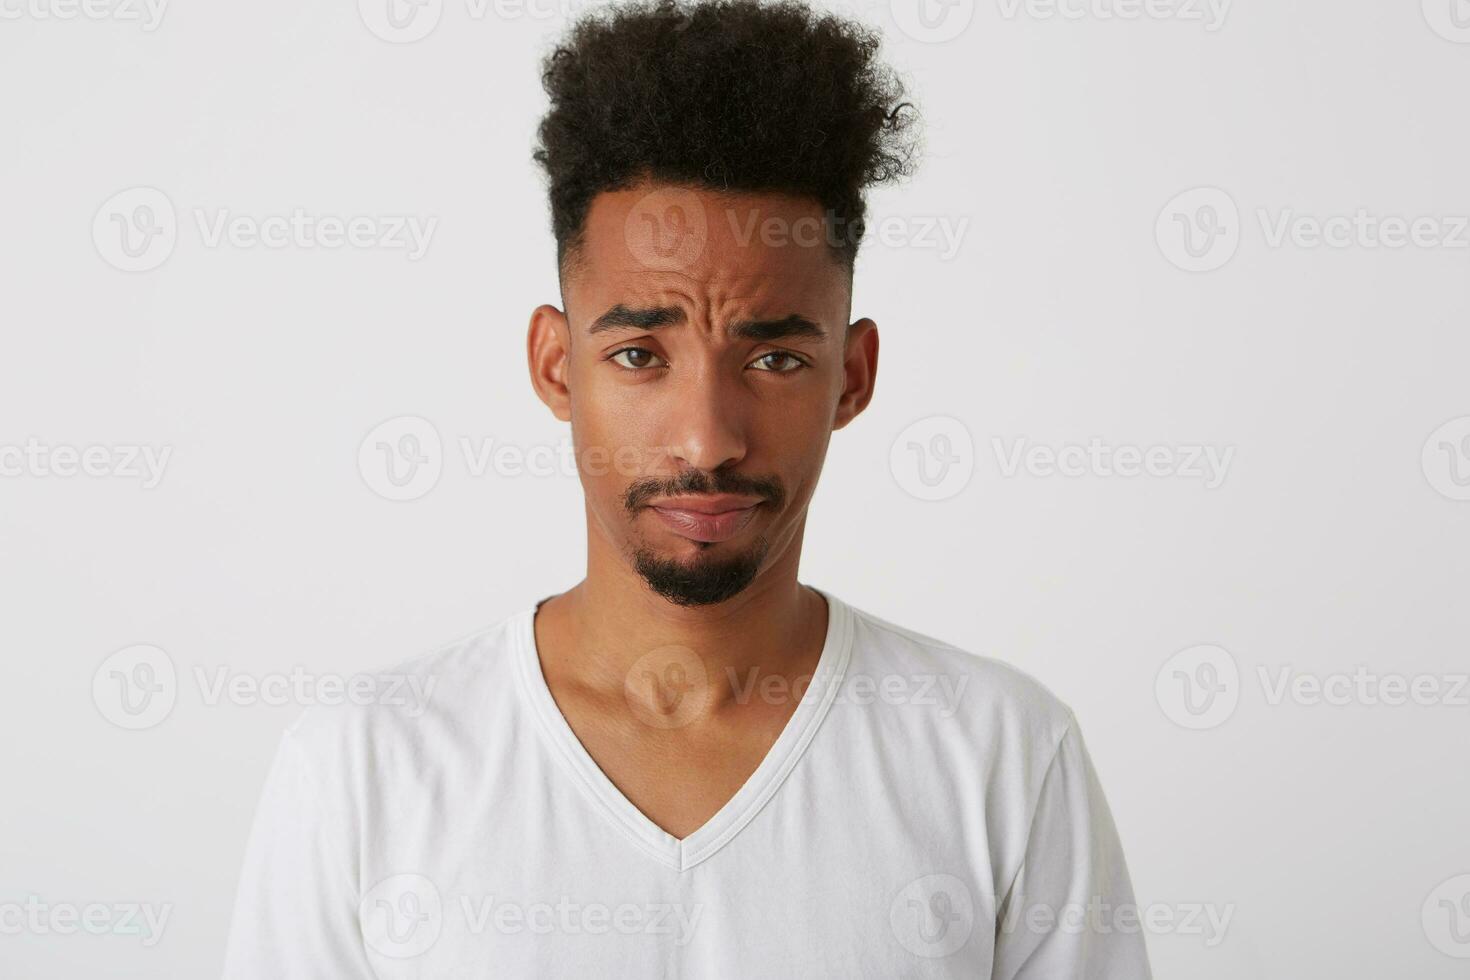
(690, 764)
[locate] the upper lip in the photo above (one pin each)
(718, 503)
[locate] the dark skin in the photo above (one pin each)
(726, 377)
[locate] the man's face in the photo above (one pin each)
(703, 361)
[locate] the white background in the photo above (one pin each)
(1054, 140)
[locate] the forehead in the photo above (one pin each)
(716, 252)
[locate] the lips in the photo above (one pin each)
(708, 519)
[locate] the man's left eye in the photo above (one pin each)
(784, 363)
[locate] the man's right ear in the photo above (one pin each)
(548, 345)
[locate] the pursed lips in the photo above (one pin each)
(707, 518)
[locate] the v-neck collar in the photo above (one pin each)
(741, 808)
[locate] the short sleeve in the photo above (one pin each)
(295, 914)
(1069, 913)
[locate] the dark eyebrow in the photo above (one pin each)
(794, 325)
(621, 317)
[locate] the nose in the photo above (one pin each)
(705, 428)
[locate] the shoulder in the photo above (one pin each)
(986, 696)
(391, 714)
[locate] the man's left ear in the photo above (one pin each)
(859, 372)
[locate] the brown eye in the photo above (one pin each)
(637, 358)
(783, 362)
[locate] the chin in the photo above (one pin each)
(709, 577)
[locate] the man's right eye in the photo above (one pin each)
(637, 358)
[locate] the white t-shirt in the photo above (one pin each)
(924, 813)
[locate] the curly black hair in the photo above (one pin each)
(734, 95)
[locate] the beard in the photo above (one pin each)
(710, 577)
(704, 581)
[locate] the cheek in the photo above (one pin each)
(793, 446)
(793, 423)
(610, 450)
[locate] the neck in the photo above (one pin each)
(598, 631)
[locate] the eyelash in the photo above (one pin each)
(799, 362)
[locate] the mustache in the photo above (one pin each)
(692, 482)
